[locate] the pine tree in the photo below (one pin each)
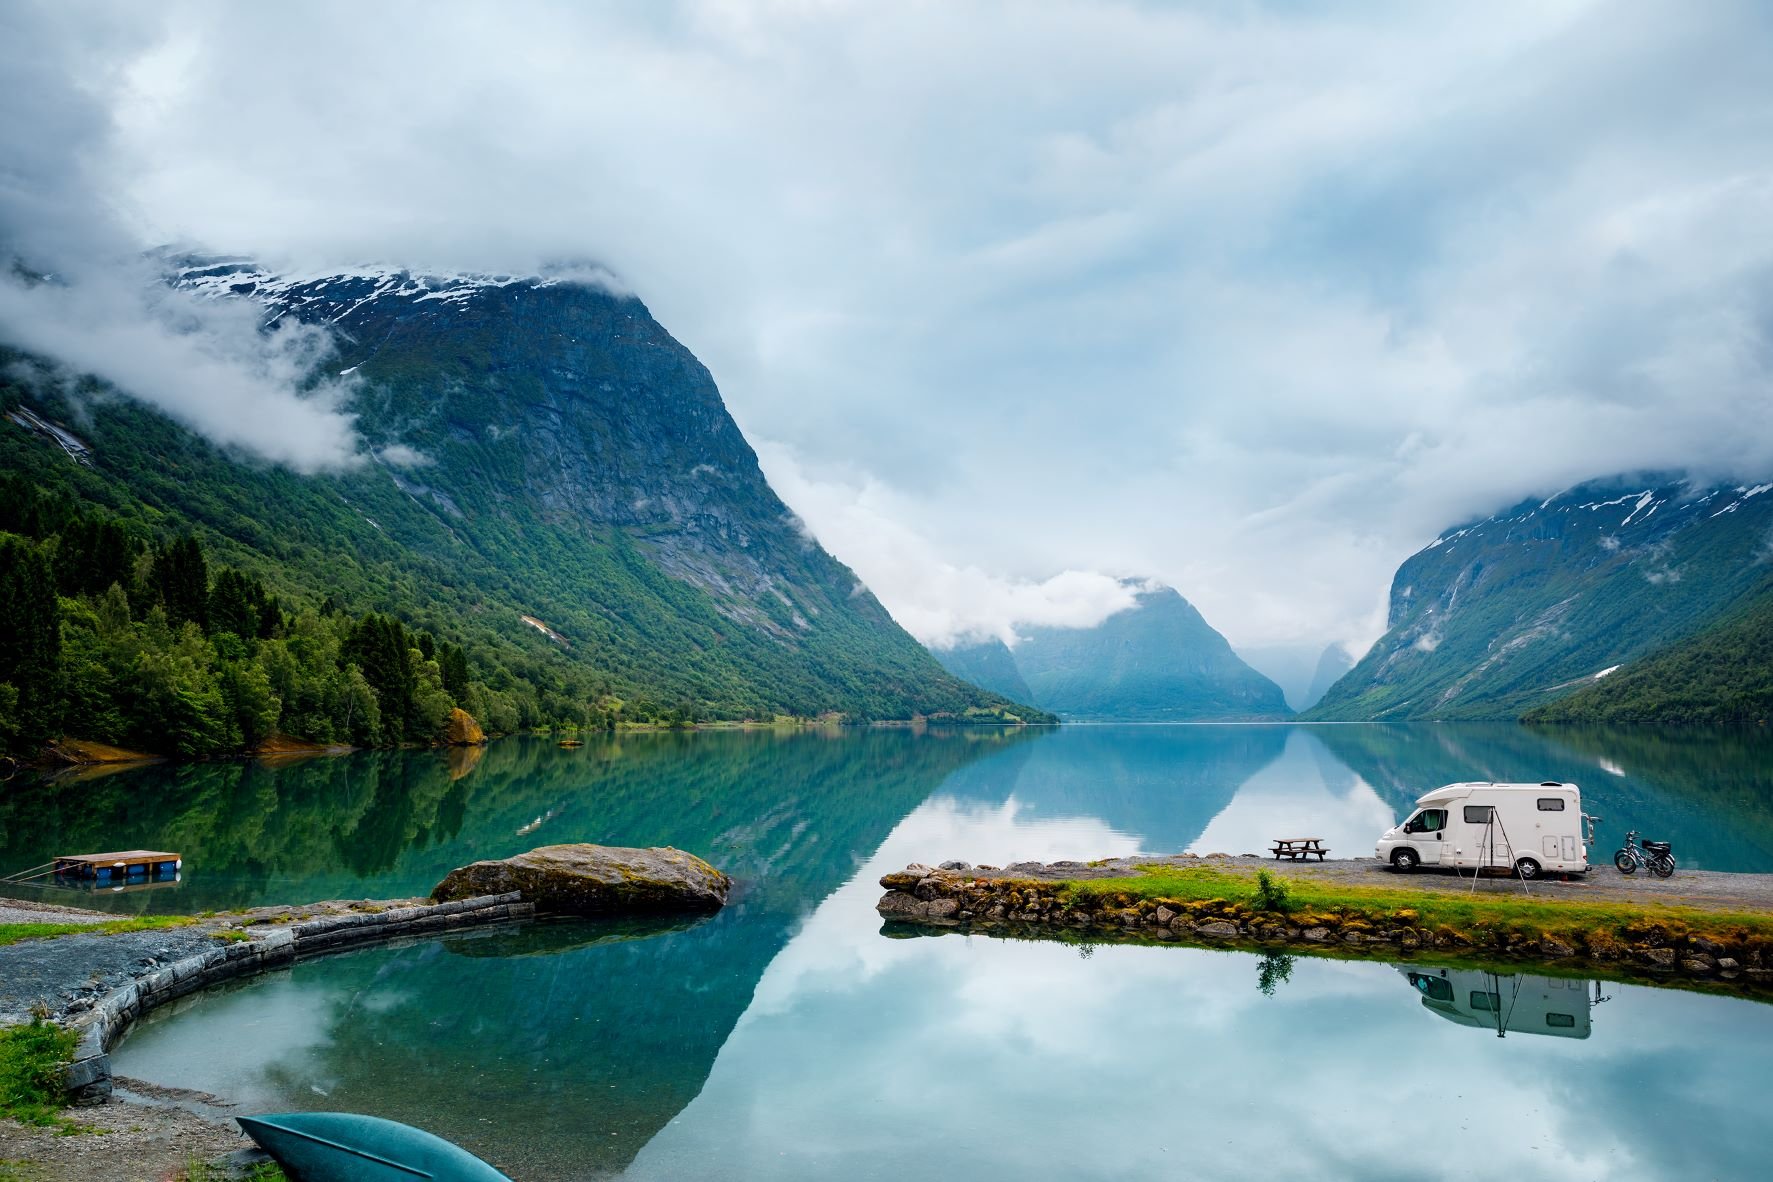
(30, 643)
(181, 575)
(379, 647)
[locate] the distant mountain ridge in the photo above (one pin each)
(1157, 661)
(1502, 615)
(539, 447)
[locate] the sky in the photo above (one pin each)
(1015, 300)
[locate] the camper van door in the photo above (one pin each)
(1427, 831)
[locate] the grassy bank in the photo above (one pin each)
(1222, 906)
(1603, 930)
(12, 933)
(33, 1064)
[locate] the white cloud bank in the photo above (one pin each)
(104, 311)
(937, 601)
(1254, 299)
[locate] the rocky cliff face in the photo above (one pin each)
(1500, 615)
(563, 405)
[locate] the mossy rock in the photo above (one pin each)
(595, 880)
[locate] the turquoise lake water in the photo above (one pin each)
(789, 1037)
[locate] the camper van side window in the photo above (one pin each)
(1560, 1021)
(1429, 821)
(1477, 814)
(1551, 804)
(1491, 1002)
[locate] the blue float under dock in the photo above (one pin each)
(119, 865)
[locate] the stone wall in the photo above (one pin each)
(89, 1075)
(959, 897)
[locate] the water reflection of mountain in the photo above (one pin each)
(1709, 792)
(625, 1022)
(390, 823)
(1162, 783)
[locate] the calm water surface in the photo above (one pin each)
(788, 1037)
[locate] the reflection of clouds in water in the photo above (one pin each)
(1291, 798)
(285, 1023)
(840, 940)
(868, 1057)
(946, 830)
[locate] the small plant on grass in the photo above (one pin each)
(198, 1170)
(33, 1062)
(1272, 893)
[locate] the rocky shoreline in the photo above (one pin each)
(1035, 900)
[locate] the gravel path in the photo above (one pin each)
(30, 911)
(67, 972)
(1708, 890)
(147, 1137)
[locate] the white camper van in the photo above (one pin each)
(1532, 829)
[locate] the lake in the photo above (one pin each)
(788, 1037)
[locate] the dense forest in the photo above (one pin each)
(116, 637)
(1721, 675)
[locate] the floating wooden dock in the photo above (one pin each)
(119, 865)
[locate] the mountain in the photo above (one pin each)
(1505, 614)
(1297, 668)
(1720, 675)
(1334, 662)
(988, 664)
(549, 479)
(1157, 661)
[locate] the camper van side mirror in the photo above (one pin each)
(1409, 826)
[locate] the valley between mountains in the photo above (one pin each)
(555, 522)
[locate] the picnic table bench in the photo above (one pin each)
(1299, 848)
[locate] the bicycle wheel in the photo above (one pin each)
(1662, 867)
(1626, 863)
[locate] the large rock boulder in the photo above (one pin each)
(462, 730)
(595, 880)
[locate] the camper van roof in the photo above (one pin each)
(1454, 791)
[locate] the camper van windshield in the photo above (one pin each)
(1428, 821)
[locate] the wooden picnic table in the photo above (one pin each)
(1299, 848)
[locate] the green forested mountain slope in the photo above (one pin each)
(574, 464)
(988, 664)
(1157, 661)
(1503, 615)
(1723, 674)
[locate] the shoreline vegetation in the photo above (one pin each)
(75, 753)
(1211, 903)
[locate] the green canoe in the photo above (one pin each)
(347, 1147)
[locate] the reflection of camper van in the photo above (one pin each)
(1528, 828)
(1519, 1003)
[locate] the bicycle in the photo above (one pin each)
(1655, 856)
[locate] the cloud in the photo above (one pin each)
(937, 601)
(1253, 299)
(104, 310)
(402, 456)
(207, 366)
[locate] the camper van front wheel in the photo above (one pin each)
(1405, 860)
(1527, 868)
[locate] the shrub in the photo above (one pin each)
(1271, 893)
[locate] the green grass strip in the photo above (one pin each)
(1306, 901)
(12, 933)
